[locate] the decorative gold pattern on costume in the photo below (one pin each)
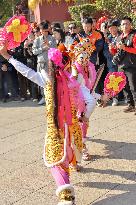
(66, 195)
(54, 137)
(75, 129)
(55, 142)
(81, 51)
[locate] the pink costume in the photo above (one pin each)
(85, 73)
(63, 141)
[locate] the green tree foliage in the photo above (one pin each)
(116, 8)
(7, 8)
(80, 7)
(76, 10)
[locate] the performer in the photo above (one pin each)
(63, 143)
(84, 71)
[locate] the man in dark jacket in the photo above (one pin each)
(126, 60)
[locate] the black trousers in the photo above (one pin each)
(22, 85)
(100, 86)
(4, 83)
(130, 88)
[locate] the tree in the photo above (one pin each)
(116, 8)
(8, 8)
(75, 11)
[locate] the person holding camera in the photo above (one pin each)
(126, 59)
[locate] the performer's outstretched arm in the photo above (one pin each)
(36, 77)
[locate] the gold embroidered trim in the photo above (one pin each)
(66, 195)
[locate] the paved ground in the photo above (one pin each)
(109, 179)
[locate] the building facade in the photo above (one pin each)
(55, 12)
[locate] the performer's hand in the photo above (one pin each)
(104, 99)
(3, 51)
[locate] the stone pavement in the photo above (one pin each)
(108, 179)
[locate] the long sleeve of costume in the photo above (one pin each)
(36, 77)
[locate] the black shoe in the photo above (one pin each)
(15, 98)
(130, 108)
(23, 99)
(4, 100)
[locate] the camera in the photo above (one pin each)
(119, 56)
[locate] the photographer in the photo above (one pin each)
(126, 60)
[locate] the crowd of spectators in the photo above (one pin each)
(115, 47)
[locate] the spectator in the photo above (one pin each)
(112, 39)
(94, 36)
(19, 55)
(6, 81)
(55, 25)
(3, 80)
(32, 63)
(72, 35)
(59, 35)
(126, 60)
(37, 32)
(97, 39)
(40, 48)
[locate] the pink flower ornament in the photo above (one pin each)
(56, 56)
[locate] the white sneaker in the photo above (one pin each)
(115, 102)
(42, 101)
(35, 100)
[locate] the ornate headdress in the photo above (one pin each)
(80, 52)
